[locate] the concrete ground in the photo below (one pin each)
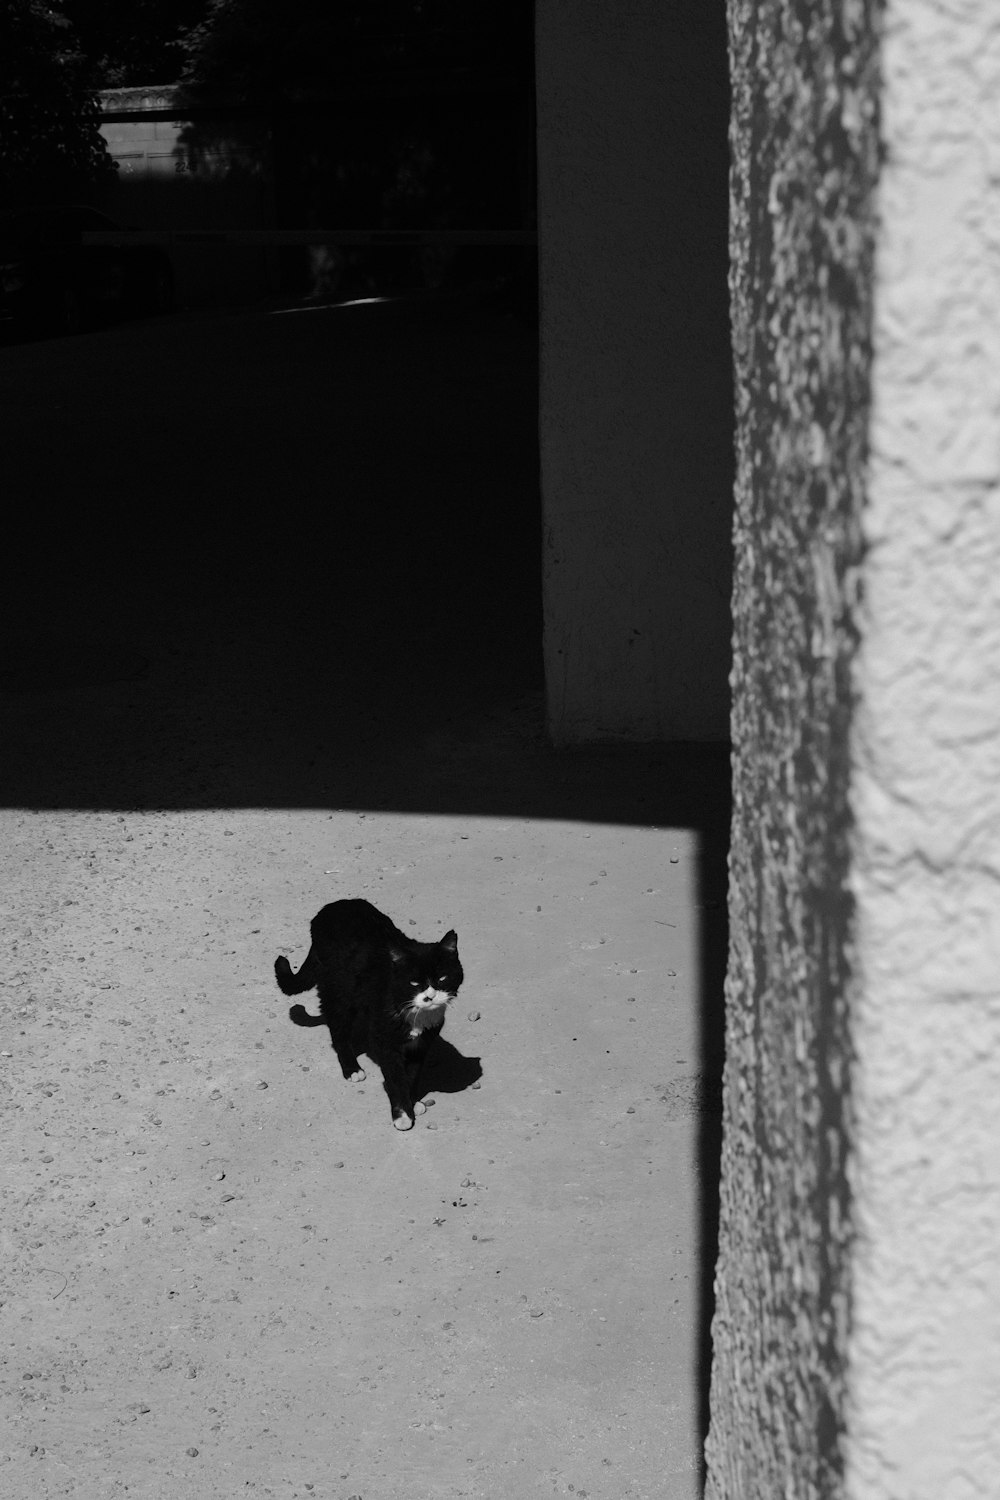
(272, 638)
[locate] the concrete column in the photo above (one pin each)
(636, 392)
(857, 1327)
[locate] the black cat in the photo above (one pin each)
(380, 992)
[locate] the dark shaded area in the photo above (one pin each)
(293, 560)
(53, 283)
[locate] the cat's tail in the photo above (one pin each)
(296, 984)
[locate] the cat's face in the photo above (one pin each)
(433, 975)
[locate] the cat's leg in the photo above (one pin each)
(396, 1084)
(348, 1059)
(417, 1053)
(414, 1067)
(341, 1039)
(351, 1068)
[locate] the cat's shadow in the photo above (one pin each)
(445, 1070)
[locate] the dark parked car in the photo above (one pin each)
(50, 282)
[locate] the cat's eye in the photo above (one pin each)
(414, 984)
(442, 979)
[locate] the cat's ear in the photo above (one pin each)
(450, 941)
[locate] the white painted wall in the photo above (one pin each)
(924, 1407)
(636, 398)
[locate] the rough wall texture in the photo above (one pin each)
(636, 396)
(804, 146)
(924, 1393)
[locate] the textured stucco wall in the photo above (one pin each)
(636, 396)
(924, 1394)
(804, 167)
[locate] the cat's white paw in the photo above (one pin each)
(420, 1108)
(402, 1122)
(358, 1076)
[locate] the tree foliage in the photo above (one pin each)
(50, 145)
(300, 49)
(135, 43)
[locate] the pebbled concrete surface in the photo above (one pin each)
(223, 1272)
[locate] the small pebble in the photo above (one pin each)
(535, 1312)
(229, 1197)
(262, 1084)
(191, 1452)
(474, 1015)
(630, 1110)
(338, 1164)
(431, 1125)
(220, 1176)
(476, 1085)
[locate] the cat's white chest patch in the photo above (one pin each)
(428, 1009)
